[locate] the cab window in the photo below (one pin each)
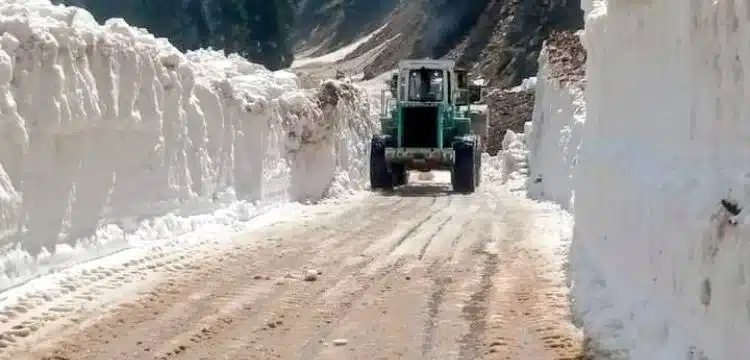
(426, 85)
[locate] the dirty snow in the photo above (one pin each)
(113, 139)
(526, 85)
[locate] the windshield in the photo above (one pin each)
(426, 85)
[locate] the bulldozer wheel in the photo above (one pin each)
(380, 176)
(464, 173)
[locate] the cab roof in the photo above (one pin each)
(429, 64)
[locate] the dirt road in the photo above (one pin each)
(419, 274)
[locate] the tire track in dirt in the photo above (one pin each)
(173, 300)
(287, 300)
(333, 316)
(533, 312)
(338, 300)
(462, 229)
(412, 230)
(340, 297)
(434, 302)
(420, 275)
(429, 227)
(443, 223)
(476, 311)
(422, 289)
(357, 215)
(454, 274)
(529, 309)
(426, 208)
(38, 311)
(441, 276)
(331, 224)
(34, 311)
(292, 294)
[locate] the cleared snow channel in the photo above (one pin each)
(111, 139)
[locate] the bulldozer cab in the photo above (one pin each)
(422, 81)
(429, 82)
(432, 81)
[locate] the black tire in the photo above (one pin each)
(380, 176)
(464, 173)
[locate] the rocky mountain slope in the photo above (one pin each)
(259, 30)
(499, 39)
(511, 109)
(323, 25)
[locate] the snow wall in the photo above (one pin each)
(554, 136)
(109, 135)
(655, 169)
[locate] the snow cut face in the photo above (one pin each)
(554, 136)
(661, 265)
(106, 125)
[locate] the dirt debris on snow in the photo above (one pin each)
(399, 270)
(331, 91)
(508, 110)
(567, 58)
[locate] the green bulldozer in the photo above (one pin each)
(427, 123)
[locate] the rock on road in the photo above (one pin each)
(417, 274)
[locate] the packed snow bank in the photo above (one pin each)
(515, 157)
(509, 168)
(557, 123)
(661, 265)
(111, 136)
